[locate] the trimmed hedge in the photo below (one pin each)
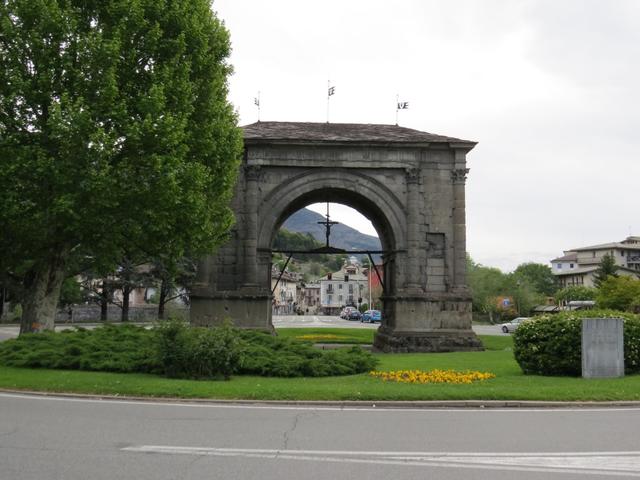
(176, 350)
(270, 356)
(109, 348)
(551, 344)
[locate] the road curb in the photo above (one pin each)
(427, 404)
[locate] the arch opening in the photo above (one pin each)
(309, 278)
(358, 202)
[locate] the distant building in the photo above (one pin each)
(285, 295)
(311, 298)
(347, 286)
(578, 265)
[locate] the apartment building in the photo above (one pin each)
(578, 265)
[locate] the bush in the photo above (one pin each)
(187, 352)
(270, 356)
(177, 350)
(551, 344)
(109, 348)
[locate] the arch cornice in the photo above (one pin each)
(374, 199)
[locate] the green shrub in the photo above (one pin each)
(126, 348)
(188, 352)
(551, 344)
(177, 350)
(271, 356)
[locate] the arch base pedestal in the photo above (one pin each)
(432, 341)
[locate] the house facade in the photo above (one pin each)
(579, 265)
(285, 292)
(348, 286)
(311, 298)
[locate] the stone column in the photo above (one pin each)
(252, 178)
(458, 178)
(412, 176)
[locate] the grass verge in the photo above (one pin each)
(509, 384)
(354, 336)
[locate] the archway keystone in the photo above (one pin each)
(410, 184)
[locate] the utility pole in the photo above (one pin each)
(369, 279)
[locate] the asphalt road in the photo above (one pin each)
(57, 438)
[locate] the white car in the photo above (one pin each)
(513, 324)
(346, 311)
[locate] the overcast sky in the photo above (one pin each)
(549, 89)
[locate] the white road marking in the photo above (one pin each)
(592, 463)
(337, 408)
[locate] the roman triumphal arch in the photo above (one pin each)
(410, 184)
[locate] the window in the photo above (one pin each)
(559, 266)
(339, 286)
(329, 299)
(351, 288)
(571, 265)
(340, 299)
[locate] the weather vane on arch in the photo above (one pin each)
(256, 102)
(400, 106)
(330, 92)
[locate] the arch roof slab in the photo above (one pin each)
(348, 133)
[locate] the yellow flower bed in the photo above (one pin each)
(432, 376)
(319, 337)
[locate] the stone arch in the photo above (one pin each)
(410, 184)
(383, 207)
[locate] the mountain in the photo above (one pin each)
(342, 236)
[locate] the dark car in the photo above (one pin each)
(371, 316)
(355, 315)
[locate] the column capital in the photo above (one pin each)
(253, 172)
(459, 175)
(412, 175)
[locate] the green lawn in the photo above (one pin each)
(509, 384)
(362, 336)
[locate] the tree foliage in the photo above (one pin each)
(576, 292)
(287, 240)
(619, 293)
(488, 284)
(539, 276)
(116, 137)
(606, 268)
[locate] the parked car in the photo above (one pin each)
(513, 324)
(355, 315)
(346, 311)
(371, 316)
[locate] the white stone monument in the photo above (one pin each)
(602, 348)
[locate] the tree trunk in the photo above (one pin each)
(163, 299)
(104, 302)
(126, 291)
(42, 293)
(2, 296)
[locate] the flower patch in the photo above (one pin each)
(432, 376)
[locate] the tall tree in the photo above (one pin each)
(606, 269)
(116, 137)
(538, 276)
